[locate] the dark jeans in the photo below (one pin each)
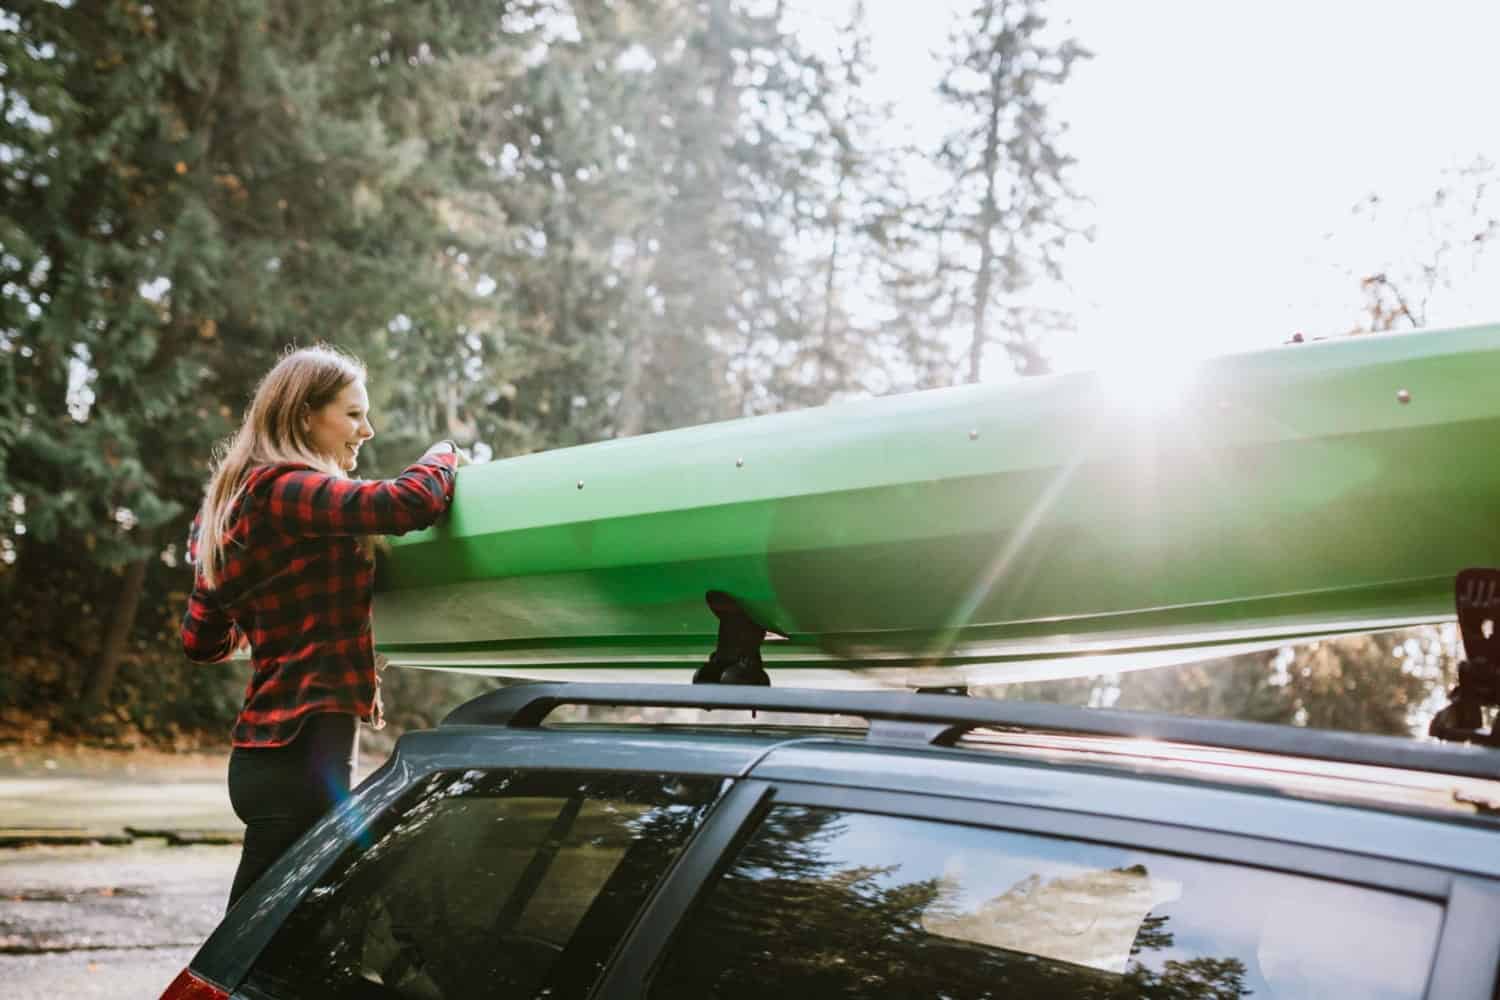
(278, 792)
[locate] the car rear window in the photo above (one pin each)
(486, 883)
(825, 903)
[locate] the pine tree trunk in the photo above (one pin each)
(630, 415)
(830, 283)
(8, 579)
(121, 620)
(989, 217)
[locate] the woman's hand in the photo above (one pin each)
(443, 447)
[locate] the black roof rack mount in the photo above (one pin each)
(940, 719)
(736, 657)
(1476, 592)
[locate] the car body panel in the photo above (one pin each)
(1146, 801)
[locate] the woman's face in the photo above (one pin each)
(339, 427)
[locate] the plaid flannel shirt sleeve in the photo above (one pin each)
(208, 634)
(306, 502)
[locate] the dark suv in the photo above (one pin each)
(939, 846)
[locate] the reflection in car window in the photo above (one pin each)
(486, 884)
(835, 904)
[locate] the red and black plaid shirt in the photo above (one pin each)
(297, 585)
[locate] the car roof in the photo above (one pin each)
(1302, 777)
(1372, 826)
(1380, 796)
(943, 719)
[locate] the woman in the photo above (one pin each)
(283, 564)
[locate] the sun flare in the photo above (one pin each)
(1144, 384)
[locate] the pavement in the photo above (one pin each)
(111, 791)
(98, 922)
(91, 907)
(114, 866)
(70, 795)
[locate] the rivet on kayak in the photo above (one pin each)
(580, 484)
(1402, 396)
(974, 435)
(739, 463)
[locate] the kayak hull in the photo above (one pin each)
(1309, 490)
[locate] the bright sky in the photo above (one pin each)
(1224, 147)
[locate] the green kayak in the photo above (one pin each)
(1307, 490)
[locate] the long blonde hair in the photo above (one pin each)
(272, 433)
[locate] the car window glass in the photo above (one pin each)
(829, 903)
(486, 884)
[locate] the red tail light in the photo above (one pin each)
(189, 987)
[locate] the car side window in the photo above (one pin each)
(828, 903)
(486, 883)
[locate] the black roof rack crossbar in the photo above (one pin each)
(525, 706)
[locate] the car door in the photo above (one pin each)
(485, 882)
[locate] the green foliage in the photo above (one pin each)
(995, 230)
(540, 223)
(194, 188)
(202, 202)
(1388, 682)
(1241, 687)
(818, 151)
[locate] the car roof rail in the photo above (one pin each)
(909, 717)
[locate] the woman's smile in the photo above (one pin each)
(339, 427)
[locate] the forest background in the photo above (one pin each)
(540, 223)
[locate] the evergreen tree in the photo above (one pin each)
(570, 143)
(822, 339)
(199, 186)
(1386, 682)
(1238, 687)
(669, 163)
(1007, 213)
(779, 227)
